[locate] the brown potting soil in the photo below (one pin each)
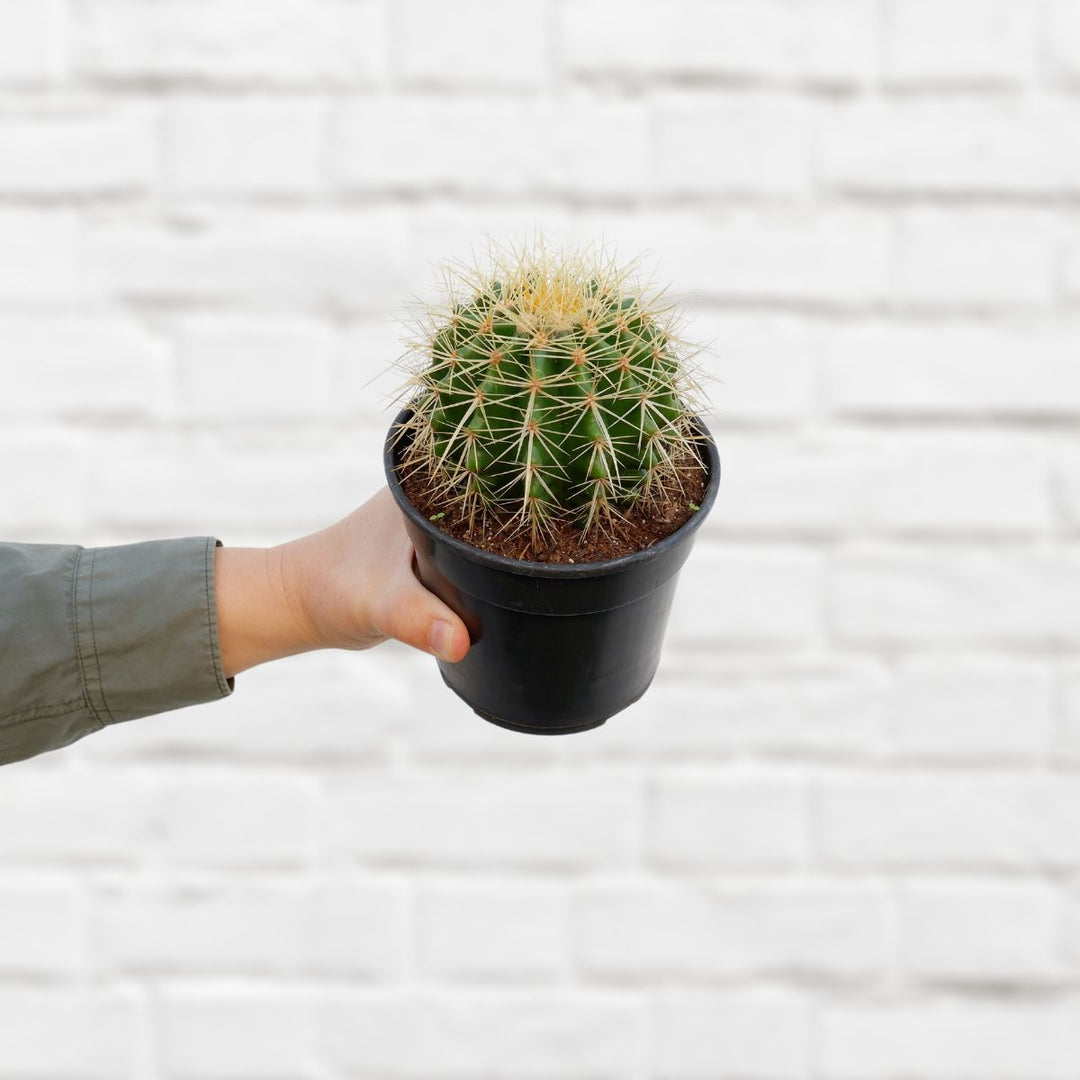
(636, 528)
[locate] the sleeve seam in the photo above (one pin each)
(87, 700)
(43, 712)
(93, 641)
(211, 547)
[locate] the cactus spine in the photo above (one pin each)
(549, 385)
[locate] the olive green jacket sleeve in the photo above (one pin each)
(95, 636)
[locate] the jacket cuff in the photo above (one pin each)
(146, 633)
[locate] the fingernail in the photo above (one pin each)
(441, 638)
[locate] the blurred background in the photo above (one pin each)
(840, 837)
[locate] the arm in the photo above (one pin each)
(96, 636)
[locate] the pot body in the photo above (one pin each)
(556, 648)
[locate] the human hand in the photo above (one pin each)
(348, 586)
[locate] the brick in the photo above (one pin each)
(356, 926)
(655, 932)
(779, 485)
(947, 598)
(334, 925)
(258, 148)
(439, 233)
(929, 1040)
(759, 1036)
(272, 259)
(428, 1035)
(776, 708)
(49, 156)
(1070, 704)
(1072, 268)
(953, 370)
(965, 43)
(922, 483)
(82, 366)
(59, 467)
(254, 369)
(972, 710)
(950, 148)
(492, 931)
(473, 44)
(530, 821)
(1070, 933)
(42, 264)
(739, 40)
(733, 595)
(759, 148)
(977, 259)
(1062, 39)
(989, 821)
(41, 932)
(302, 711)
(841, 259)
(600, 148)
(843, 43)
(832, 43)
(101, 1033)
(765, 365)
(267, 1031)
(306, 711)
(220, 821)
(933, 484)
(292, 483)
(233, 42)
(365, 380)
(440, 731)
(35, 45)
(417, 145)
(72, 820)
(725, 820)
(978, 932)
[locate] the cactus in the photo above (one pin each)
(549, 385)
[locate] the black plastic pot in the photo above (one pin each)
(556, 648)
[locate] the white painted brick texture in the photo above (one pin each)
(35, 48)
(964, 42)
(838, 839)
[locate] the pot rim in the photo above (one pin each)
(528, 568)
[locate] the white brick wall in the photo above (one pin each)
(840, 837)
(962, 42)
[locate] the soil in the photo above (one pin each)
(640, 526)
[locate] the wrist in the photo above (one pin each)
(261, 615)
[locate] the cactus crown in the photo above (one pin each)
(549, 385)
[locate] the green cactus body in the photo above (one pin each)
(554, 389)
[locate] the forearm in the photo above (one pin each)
(259, 617)
(95, 636)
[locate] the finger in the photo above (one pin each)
(419, 618)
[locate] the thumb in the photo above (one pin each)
(420, 619)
